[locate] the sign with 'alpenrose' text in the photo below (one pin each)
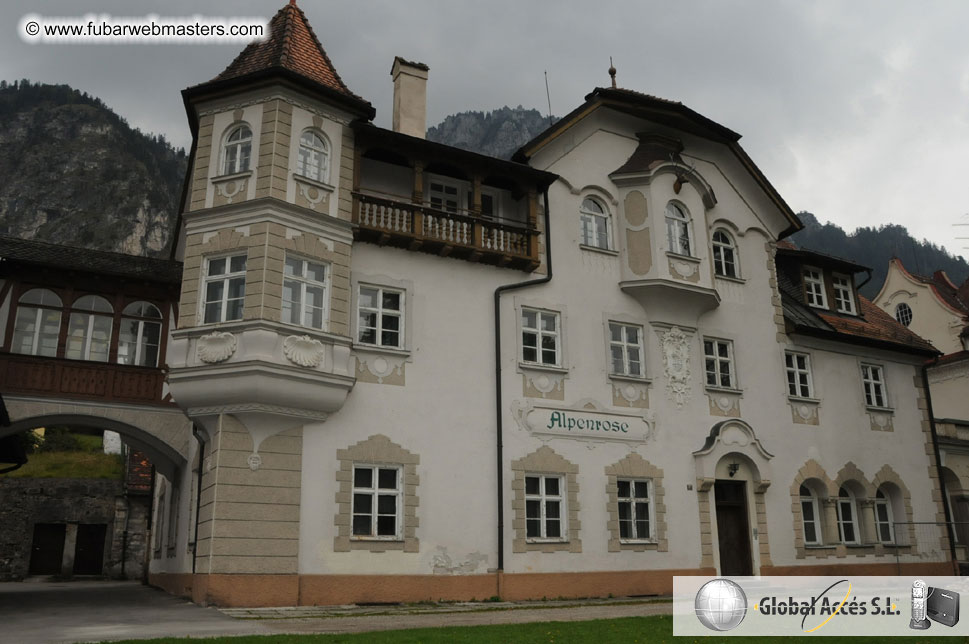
(584, 423)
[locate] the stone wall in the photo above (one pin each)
(25, 502)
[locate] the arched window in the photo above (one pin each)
(313, 160)
(678, 236)
(237, 150)
(810, 516)
(38, 323)
(724, 254)
(89, 329)
(594, 218)
(884, 517)
(140, 335)
(903, 313)
(847, 516)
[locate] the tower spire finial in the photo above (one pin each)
(612, 73)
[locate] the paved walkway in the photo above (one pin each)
(357, 619)
(44, 612)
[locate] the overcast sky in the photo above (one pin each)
(856, 111)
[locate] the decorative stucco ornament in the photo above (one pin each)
(676, 363)
(303, 350)
(216, 347)
(683, 269)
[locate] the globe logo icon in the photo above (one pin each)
(721, 605)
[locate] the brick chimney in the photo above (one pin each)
(410, 97)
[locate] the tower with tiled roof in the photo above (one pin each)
(263, 343)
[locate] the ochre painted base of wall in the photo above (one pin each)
(327, 590)
(928, 569)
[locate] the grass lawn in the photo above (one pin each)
(74, 465)
(629, 630)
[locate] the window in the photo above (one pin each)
(635, 523)
(89, 329)
(489, 203)
(225, 289)
(844, 301)
(540, 337)
(304, 293)
(380, 316)
(724, 254)
(544, 505)
(814, 288)
(376, 502)
(140, 335)
(38, 323)
(719, 363)
(884, 522)
(798, 366)
(625, 349)
(678, 230)
(847, 517)
(594, 219)
(903, 313)
(238, 150)
(313, 160)
(810, 517)
(444, 196)
(874, 382)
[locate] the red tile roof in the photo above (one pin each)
(875, 324)
(291, 45)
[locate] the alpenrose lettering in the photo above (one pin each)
(562, 420)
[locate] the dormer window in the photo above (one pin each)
(814, 288)
(237, 150)
(844, 300)
(678, 236)
(313, 161)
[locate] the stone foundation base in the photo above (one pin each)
(329, 590)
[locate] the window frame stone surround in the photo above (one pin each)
(545, 460)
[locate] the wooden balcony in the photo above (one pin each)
(388, 222)
(54, 377)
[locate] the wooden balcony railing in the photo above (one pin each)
(417, 227)
(54, 377)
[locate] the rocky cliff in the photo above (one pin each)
(74, 172)
(498, 133)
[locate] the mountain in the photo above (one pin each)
(74, 172)
(874, 247)
(498, 133)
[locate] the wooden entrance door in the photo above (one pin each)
(89, 550)
(47, 549)
(733, 528)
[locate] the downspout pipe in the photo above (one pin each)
(498, 401)
(198, 493)
(938, 459)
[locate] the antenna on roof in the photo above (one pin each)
(549, 98)
(612, 73)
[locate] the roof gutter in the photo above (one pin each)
(498, 399)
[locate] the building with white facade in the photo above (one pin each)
(420, 373)
(938, 310)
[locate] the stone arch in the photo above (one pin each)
(888, 477)
(164, 435)
(692, 177)
(733, 438)
(814, 476)
(855, 480)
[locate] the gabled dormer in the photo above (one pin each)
(823, 282)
